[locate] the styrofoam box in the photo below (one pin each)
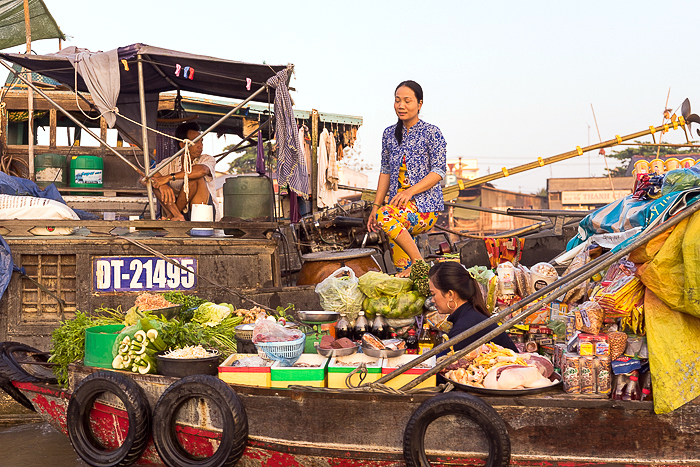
(282, 377)
(391, 364)
(337, 374)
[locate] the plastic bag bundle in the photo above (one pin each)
(681, 180)
(268, 331)
(621, 297)
(341, 293)
(404, 305)
(376, 284)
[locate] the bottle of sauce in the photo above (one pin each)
(425, 341)
(412, 342)
(380, 328)
(342, 327)
(361, 326)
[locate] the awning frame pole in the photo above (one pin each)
(30, 96)
(144, 137)
(73, 119)
(208, 130)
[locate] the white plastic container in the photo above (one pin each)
(506, 278)
(542, 274)
(202, 213)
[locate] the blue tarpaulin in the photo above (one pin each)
(627, 214)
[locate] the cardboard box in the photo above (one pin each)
(337, 373)
(248, 376)
(285, 376)
(391, 364)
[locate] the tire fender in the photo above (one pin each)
(7, 386)
(234, 436)
(463, 404)
(28, 373)
(78, 417)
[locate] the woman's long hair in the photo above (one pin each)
(450, 275)
(418, 91)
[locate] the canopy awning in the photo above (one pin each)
(12, 29)
(214, 76)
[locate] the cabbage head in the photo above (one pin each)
(210, 314)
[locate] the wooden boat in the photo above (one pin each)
(200, 420)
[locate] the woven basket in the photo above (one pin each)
(282, 351)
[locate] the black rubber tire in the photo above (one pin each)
(7, 386)
(235, 434)
(78, 417)
(450, 404)
(12, 352)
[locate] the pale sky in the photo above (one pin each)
(506, 81)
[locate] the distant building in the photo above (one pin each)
(587, 193)
(486, 223)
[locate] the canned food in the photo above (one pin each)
(571, 377)
(603, 374)
(587, 375)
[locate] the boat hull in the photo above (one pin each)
(316, 428)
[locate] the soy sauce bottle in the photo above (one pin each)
(361, 326)
(412, 342)
(342, 328)
(380, 328)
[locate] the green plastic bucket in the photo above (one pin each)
(50, 168)
(99, 341)
(86, 172)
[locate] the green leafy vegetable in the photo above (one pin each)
(68, 340)
(210, 314)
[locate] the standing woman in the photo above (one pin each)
(413, 163)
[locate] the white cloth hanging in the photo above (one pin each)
(333, 176)
(326, 196)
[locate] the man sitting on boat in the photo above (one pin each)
(168, 184)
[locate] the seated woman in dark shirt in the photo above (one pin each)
(455, 292)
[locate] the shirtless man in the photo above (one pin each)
(168, 183)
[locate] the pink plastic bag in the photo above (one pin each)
(269, 331)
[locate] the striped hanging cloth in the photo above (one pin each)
(291, 167)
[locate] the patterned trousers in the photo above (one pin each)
(393, 221)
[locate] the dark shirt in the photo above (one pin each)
(466, 317)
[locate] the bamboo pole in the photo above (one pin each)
(30, 94)
(541, 162)
(144, 137)
(563, 285)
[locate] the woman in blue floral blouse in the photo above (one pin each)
(413, 163)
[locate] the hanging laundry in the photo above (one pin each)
(326, 196)
(332, 175)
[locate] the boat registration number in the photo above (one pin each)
(141, 273)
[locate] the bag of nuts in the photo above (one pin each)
(618, 342)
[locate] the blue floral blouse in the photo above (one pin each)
(426, 151)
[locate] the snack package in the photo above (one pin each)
(591, 317)
(341, 294)
(620, 297)
(580, 291)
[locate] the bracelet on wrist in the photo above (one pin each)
(378, 205)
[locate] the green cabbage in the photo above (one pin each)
(210, 314)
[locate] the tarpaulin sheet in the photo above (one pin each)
(12, 29)
(628, 214)
(672, 313)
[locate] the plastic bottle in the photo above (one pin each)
(380, 328)
(621, 381)
(425, 341)
(411, 342)
(342, 327)
(632, 390)
(647, 393)
(361, 326)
